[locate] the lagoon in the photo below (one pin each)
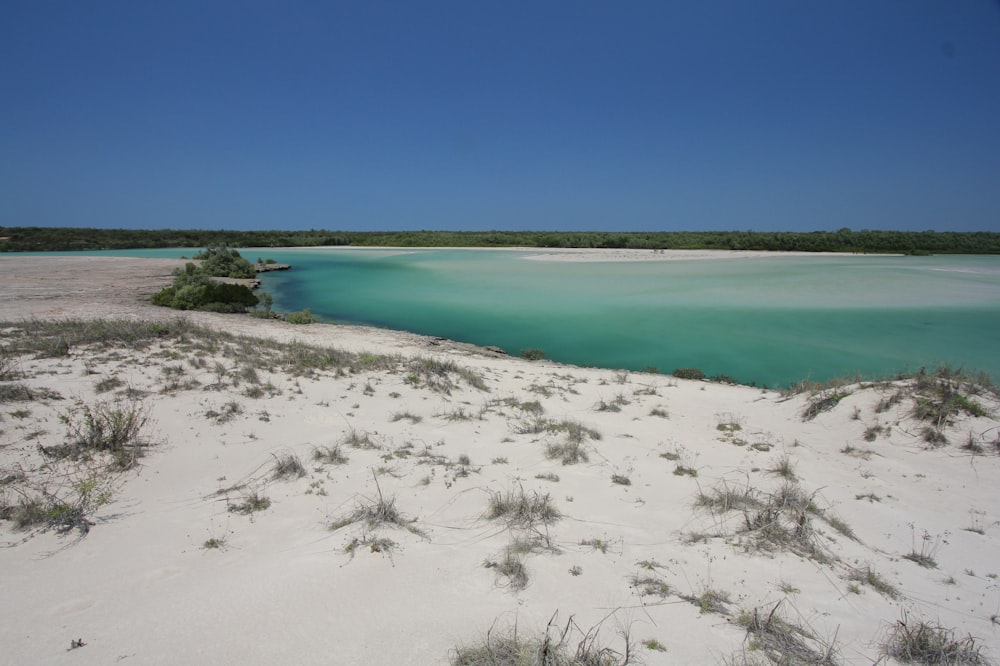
(770, 320)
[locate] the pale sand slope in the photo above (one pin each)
(141, 588)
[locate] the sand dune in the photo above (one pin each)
(448, 493)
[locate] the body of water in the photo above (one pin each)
(767, 320)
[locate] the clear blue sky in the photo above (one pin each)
(632, 115)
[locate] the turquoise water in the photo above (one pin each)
(771, 321)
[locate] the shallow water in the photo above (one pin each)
(771, 321)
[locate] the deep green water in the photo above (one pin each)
(772, 321)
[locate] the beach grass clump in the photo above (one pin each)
(287, 466)
(781, 641)
(330, 455)
(725, 498)
(558, 645)
(922, 642)
(522, 510)
(375, 513)
(823, 401)
(113, 427)
(436, 374)
(250, 503)
(568, 453)
(60, 501)
(688, 373)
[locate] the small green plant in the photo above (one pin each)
(532, 354)
(823, 401)
(654, 645)
(621, 480)
(519, 509)
(868, 576)
(214, 543)
(648, 585)
(301, 317)
(596, 544)
(250, 503)
(688, 373)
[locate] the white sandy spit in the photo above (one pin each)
(698, 523)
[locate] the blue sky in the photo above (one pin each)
(658, 115)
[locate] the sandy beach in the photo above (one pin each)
(339, 494)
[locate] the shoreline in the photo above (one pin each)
(604, 254)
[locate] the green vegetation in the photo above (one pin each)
(300, 317)
(195, 289)
(843, 240)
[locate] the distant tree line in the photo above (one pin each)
(19, 239)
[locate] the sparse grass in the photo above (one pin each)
(376, 513)
(106, 384)
(359, 440)
(725, 498)
(374, 544)
(511, 566)
(710, 601)
(21, 392)
(596, 544)
(436, 375)
(568, 452)
(924, 554)
(548, 477)
(659, 411)
(62, 502)
(287, 466)
(654, 645)
(923, 642)
(521, 510)
(781, 641)
(214, 543)
(112, 427)
(409, 416)
(684, 470)
(784, 468)
(840, 525)
(648, 585)
(330, 455)
(226, 413)
(554, 647)
(250, 503)
(935, 437)
(621, 480)
(868, 576)
(823, 401)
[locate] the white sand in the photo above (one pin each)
(141, 588)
